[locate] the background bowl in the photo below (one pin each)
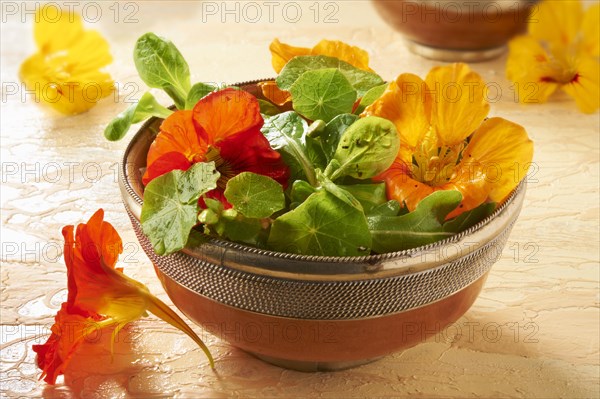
(457, 30)
(315, 313)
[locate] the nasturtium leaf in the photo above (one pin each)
(370, 97)
(422, 226)
(254, 195)
(322, 94)
(369, 195)
(285, 133)
(170, 206)
(322, 225)
(197, 92)
(160, 65)
(360, 79)
(470, 218)
(146, 107)
(367, 148)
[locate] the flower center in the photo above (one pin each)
(224, 167)
(435, 165)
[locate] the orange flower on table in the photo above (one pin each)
(65, 72)
(446, 141)
(223, 127)
(560, 51)
(99, 296)
(281, 53)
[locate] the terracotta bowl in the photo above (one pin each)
(320, 313)
(456, 30)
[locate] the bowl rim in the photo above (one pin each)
(133, 202)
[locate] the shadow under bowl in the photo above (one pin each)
(314, 313)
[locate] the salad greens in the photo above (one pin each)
(330, 206)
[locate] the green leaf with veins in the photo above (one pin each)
(197, 92)
(146, 107)
(170, 206)
(285, 133)
(254, 195)
(422, 226)
(360, 80)
(367, 148)
(370, 97)
(160, 65)
(322, 94)
(322, 225)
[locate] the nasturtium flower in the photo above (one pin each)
(99, 296)
(446, 141)
(65, 72)
(224, 127)
(560, 50)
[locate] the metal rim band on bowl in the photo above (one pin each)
(315, 287)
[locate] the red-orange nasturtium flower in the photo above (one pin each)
(446, 141)
(99, 296)
(223, 127)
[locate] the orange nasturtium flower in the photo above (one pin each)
(65, 72)
(281, 53)
(560, 50)
(99, 296)
(446, 141)
(223, 127)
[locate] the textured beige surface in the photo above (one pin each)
(533, 332)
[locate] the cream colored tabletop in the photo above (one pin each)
(533, 332)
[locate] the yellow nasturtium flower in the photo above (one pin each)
(560, 50)
(65, 72)
(447, 142)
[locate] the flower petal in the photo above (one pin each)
(407, 103)
(353, 55)
(224, 113)
(536, 82)
(400, 186)
(503, 151)
(471, 182)
(590, 28)
(250, 151)
(56, 29)
(177, 134)
(281, 53)
(459, 101)
(68, 333)
(164, 164)
(585, 88)
(273, 93)
(556, 22)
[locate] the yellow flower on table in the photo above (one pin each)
(447, 142)
(560, 50)
(65, 72)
